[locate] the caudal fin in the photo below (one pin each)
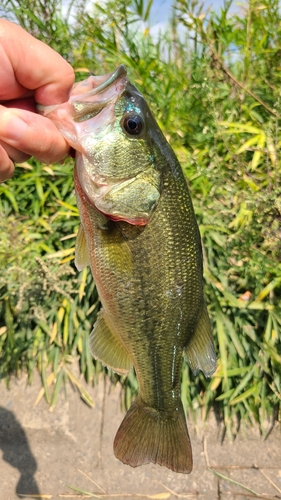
(147, 435)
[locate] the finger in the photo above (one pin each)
(32, 134)
(28, 104)
(6, 166)
(35, 65)
(14, 154)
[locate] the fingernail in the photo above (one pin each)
(15, 128)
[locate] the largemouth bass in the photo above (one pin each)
(139, 235)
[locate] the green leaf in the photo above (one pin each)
(271, 286)
(57, 387)
(222, 345)
(8, 193)
(254, 389)
(225, 395)
(248, 144)
(238, 128)
(243, 382)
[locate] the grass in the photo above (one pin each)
(213, 82)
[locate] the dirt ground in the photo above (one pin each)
(44, 452)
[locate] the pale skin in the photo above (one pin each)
(30, 73)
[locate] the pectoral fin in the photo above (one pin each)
(200, 351)
(107, 348)
(82, 258)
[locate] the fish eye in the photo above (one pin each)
(133, 124)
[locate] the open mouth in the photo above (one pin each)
(90, 97)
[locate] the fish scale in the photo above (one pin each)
(140, 236)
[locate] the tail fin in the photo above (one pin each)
(147, 435)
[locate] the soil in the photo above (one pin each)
(44, 452)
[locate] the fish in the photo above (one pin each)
(140, 237)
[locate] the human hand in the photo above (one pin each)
(30, 73)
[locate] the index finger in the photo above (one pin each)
(36, 66)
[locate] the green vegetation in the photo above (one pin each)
(213, 80)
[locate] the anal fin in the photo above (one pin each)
(200, 351)
(107, 348)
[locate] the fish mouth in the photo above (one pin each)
(87, 99)
(97, 92)
(90, 108)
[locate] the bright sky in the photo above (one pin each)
(161, 8)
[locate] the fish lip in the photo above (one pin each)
(113, 77)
